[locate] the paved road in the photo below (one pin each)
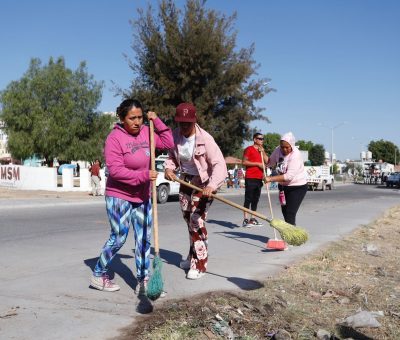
(49, 245)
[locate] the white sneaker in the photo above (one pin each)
(103, 283)
(254, 222)
(185, 264)
(194, 274)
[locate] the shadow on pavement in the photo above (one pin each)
(225, 224)
(170, 257)
(144, 306)
(240, 237)
(244, 284)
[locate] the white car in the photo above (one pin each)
(165, 188)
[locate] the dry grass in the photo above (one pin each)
(315, 294)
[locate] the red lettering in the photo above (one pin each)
(16, 173)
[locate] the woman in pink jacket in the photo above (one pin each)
(201, 162)
(290, 176)
(127, 155)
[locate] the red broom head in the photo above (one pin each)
(276, 245)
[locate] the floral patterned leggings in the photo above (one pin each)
(194, 208)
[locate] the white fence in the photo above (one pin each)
(43, 178)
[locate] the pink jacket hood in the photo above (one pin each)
(291, 166)
(289, 137)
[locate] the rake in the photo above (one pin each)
(156, 284)
(291, 234)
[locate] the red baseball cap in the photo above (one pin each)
(186, 113)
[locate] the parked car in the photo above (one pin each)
(65, 166)
(393, 180)
(165, 188)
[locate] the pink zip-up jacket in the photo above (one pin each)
(290, 166)
(208, 158)
(128, 160)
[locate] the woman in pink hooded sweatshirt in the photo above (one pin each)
(290, 176)
(127, 155)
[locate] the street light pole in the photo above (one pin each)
(332, 150)
(332, 128)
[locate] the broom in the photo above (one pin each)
(156, 284)
(274, 244)
(293, 235)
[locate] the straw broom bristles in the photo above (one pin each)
(291, 234)
(155, 285)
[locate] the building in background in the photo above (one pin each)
(5, 156)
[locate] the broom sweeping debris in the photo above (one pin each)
(293, 235)
(156, 284)
(272, 244)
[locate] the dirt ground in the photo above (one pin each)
(308, 300)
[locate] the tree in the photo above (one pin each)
(271, 141)
(50, 112)
(316, 154)
(190, 56)
(334, 169)
(384, 150)
(304, 145)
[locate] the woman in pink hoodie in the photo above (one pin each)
(201, 162)
(290, 176)
(127, 155)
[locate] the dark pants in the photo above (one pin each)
(294, 196)
(252, 192)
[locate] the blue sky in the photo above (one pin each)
(331, 61)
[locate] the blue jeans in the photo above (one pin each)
(122, 214)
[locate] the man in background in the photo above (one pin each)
(95, 178)
(253, 177)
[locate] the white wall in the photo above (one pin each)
(43, 178)
(28, 178)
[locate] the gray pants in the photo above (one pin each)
(95, 182)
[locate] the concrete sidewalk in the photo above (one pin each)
(9, 193)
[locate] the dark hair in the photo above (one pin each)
(257, 134)
(126, 106)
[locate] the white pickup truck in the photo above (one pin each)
(319, 177)
(165, 188)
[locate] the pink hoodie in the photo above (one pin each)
(290, 166)
(128, 160)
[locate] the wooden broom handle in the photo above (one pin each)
(224, 200)
(268, 194)
(154, 188)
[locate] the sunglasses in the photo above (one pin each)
(259, 138)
